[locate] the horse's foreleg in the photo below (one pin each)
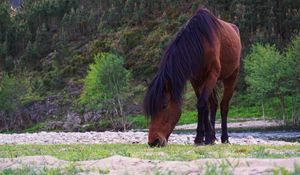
(204, 128)
(229, 85)
(199, 140)
(213, 105)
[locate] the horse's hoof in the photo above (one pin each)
(210, 142)
(199, 144)
(199, 141)
(225, 141)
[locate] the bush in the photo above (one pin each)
(11, 92)
(293, 57)
(265, 71)
(106, 87)
(271, 74)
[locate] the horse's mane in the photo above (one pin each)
(181, 60)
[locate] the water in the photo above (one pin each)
(277, 134)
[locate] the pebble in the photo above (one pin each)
(107, 137)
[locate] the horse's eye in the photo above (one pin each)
(164, 106)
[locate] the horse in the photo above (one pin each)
(206, 50)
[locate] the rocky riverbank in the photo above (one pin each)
(116, 137)
(133, 137)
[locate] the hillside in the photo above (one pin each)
(47, 46)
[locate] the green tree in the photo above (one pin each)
(30, 56)
(43, 41)
(106, 86)
(11, 92)
(293, 56)
(266, 71)
(5, 20)
(3, 54)
(293, 75)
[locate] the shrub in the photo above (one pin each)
(293, 57)
(265, 71)
(106, 86)
(11, 92)
(271, 74)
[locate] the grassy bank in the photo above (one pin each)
(170, 152)
(243, 107)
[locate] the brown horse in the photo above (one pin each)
(206, 50)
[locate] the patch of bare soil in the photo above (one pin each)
(123, 165)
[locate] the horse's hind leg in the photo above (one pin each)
(229, 85)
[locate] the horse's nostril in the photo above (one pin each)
(155, 143)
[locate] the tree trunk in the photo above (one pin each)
(122, 114)
(263, 109)
(282, 101)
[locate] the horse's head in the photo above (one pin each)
(163, 122)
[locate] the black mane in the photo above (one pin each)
(180, 61)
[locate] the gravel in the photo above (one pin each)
(130, 137)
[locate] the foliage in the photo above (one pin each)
(11, 92)
(293, 58)
(271, 74)
(265, 71)
(43, 41)
(106, 85)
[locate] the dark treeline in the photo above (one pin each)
(40, 27)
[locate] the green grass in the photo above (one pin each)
(170, 152)
(189, 117)
(32, 170)
(224, 168)
(240, 110)
(35, 128)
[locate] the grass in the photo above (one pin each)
(32, 170)
(190, 117)
(241, 109)
(224, 168)
(171, 152)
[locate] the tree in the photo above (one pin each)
(293, 56)
(5, 20)
(293, 75)
(106, 85)
(3, 54)
(43, 41)
(11, 92)
(30, 55)
(266, 73)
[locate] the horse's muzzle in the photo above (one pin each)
(158, 143)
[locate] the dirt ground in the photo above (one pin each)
(122, 165)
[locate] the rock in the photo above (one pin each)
(53, 125)
(72, 122)
(92, 116)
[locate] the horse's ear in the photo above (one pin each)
(146, 83)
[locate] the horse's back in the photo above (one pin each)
(230, 49)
